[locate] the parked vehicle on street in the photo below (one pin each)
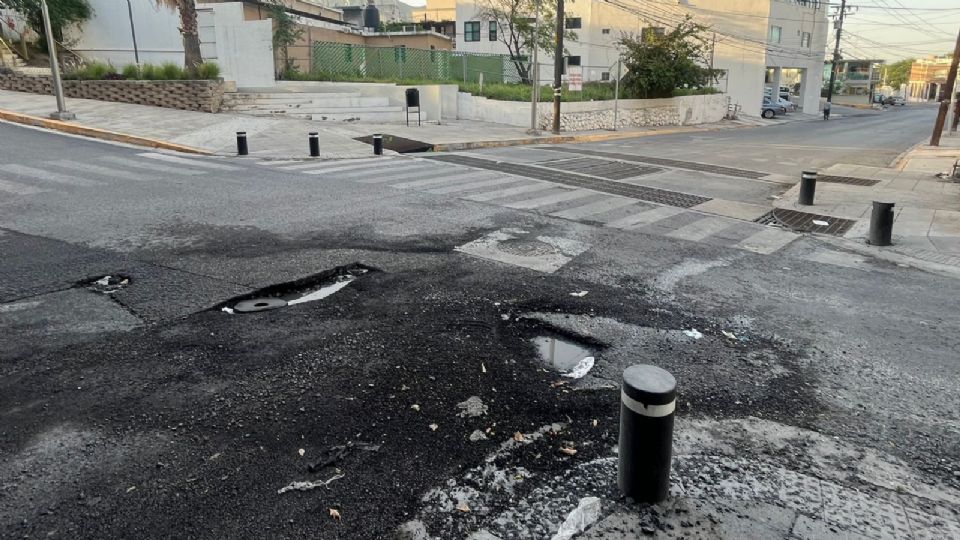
(895, 101)
(787, 105)
(775, 106)
(769, 110)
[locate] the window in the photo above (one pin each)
(805, 40)
(605, 31)
(471, 31)
(605, 76)
(573, 60)
(493, 31)
(574, 22)
(775, 34)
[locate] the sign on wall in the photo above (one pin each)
(575, 79)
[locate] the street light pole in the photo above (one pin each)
(62, 112)
(133, 32)
(836, 57)
(948, 97)
(535, 87)
(558, 67)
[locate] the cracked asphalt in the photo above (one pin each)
(148, 412)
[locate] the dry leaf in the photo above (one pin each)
(415, 407)
(434, 427)
(568, 451)
(335, 514)
(518, 436)
(483, 368)
(463, 507)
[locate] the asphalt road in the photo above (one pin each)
(150, 412)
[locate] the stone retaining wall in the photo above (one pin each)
(205, 96)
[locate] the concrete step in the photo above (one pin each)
(273, 105)
(360, 116)
(289, 95)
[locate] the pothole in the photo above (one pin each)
(107, 284)
(310, 289)
(566, 356)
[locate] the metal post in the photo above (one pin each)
(133, 33)
(378, 145)
(616, 97)
(948, 97)
(535, 82)
(836, 60)
(647, 404)
(242, 148)
(314, 144)
(808, 187)
(881, 224)
(62, 112)
(558, 67)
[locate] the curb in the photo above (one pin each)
(96, 133)
(561, 139)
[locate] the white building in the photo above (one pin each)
(757, 43)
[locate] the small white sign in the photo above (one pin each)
(574, 79)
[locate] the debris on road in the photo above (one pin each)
(581, 369)
(568, 450)
(585, 514)
(477, 435)
(580, 294)
(335, 514)
(693, 332)
(415, 407)
(308, 485)
(821, 223)
(472, 407)
(109, 284)
(301, 452)
(729, 335)
(434, 427)
(335, 453)
(463, 507)
(518, 436)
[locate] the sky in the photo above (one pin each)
(883, 29)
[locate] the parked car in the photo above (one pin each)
(895, 100)
(784, 92)
(773, 105)
(769, 110)
(787, 105)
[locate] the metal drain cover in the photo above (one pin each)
(259, 304)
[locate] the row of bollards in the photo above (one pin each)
(314, 143)
(881, 220)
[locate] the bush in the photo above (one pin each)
(705, 91)
(148, 72)
(208, 71)
(94, 71)
(131, 72)
(169, 71)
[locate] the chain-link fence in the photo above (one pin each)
(399, 63)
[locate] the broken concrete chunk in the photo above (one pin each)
(471, 408)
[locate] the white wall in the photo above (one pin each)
(106, 36)
(242, 49)
(790, 52)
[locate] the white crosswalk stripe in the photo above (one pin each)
(767, 241)
(444, 179)
(345, 171)
(330, 166)
(42, 175)
(474, 185)
(101, 171)
(19, 189)
(509, 192)
(596, 207)
(551, 199)
(152, 166)
(191, 162)
(700, 229)
(393, 175)
(645, 218)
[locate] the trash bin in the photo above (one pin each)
(413, 98)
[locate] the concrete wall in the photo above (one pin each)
(792, 53)
(107, 36)
(243, 49)
(589, 115)
(437, 101)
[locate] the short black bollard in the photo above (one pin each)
(242, 149)
(314, 144)
(808, 187)
(378, 145)
(881, 224)
(647, 402)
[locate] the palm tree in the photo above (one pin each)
(188, 28)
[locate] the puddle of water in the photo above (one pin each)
(561, 354)
(322, 292)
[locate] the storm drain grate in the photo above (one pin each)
(613, 170)
(643, 193)
(674, 163)
(804, 222)
(850, 180)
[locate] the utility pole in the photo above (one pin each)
(133, 32)
(535, 87)
(62, 112)
(948, 97)
(558, 67)
(836, 57)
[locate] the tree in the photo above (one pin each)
(516, 27)
(188, 29)
(62, 13)
(286, 32)
(898, 73)
(661, 62)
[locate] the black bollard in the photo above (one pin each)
(647, 403)
(378, 145)
(881, 224)
(242, 149)
(808, 187)
(314, 144)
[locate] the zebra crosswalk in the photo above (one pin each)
(557, 200)
(100, 172)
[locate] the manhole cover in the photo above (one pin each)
(400, 145)
(806, 222)
(527, 247)
(849, 180)
(259, 304)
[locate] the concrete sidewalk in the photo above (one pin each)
(286, 138)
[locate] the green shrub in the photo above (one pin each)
(148, 72)
(94, 71)
(208, 71)
(705, 91)
(170, 72)
(131, 72)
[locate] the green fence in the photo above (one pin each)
(385, 63)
